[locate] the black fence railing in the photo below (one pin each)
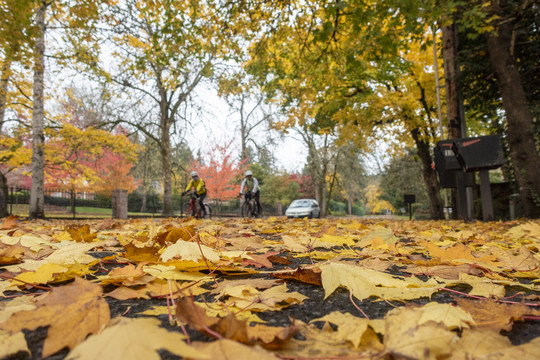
(82, 204)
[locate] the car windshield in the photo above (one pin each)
(300, 203)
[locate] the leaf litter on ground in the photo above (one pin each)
(269, 288)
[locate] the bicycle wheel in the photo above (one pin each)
(187, 210)
(245, 209)
(208, 210)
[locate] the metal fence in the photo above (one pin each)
(82, 204)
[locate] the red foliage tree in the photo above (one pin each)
(220, 172)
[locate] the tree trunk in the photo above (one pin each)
(165, 147)
(38, 159)
(4, 195)
(523, 152)
(430, 177)
(449, 52)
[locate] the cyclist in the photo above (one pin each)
(199, 188)
(250, 184)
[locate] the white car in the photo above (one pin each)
(303, 208)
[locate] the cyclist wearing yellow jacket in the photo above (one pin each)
(199, 188)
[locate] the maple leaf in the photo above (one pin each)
(326, 343)
(172, 235)
(139, 338)
(353, 329)
(125, 293)
(81, 233)
(9, 222)
(489, 313)
(260, 260)
(189, 251)
(275, 298)
(11, 254)
(233, 328)
(364, 283)
(486, 343)
(45, 274)
(126, 275)
(305, 275)
(72, 312)
(405, 337)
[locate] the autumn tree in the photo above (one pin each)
(220, 171)
(162, 52)
(248, 104)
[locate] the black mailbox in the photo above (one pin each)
(481, 153)
(447, 177)
(409, 198)
(446, 155)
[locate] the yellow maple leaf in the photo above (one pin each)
(354, 329)
(364, 283)
(189, 251)
(139, 338)
(405, 337)
(43, 275)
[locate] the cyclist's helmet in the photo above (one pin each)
(194, 174)
(249, 173)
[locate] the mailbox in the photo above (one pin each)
(481, 153)
(447, 177)
(409, 198)
(446, 155)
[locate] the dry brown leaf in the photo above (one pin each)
(489, 313)
(125, 293)
(72, 312)
(81, 233)
(305, 275)
(260, 260)
(172, 235)
(9, 222)
(11, 254)
(233, 328)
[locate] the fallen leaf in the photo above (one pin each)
(489, 313)
(364, 283)
(9, 222)
(225, 349)
(305, 275)
(138, 338)
(125, 293)
(72, 312)
(81, 233)
(353, 329)
(406, 338)
(189, 251)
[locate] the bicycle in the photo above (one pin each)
(195, 210)
(249, 206)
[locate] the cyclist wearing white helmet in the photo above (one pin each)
(199, 188)
(250, 184)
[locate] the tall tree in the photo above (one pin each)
(37, 208)
(163, 51)
(522, 131)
